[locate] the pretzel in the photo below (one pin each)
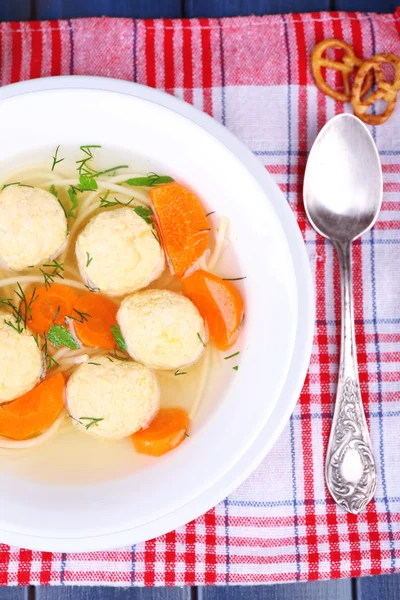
(346, 67)
(384, 89)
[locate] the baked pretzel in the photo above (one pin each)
(384, 89)
(346, 66)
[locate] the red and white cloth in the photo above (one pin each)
(253, 75)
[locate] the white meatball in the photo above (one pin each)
(112, 398)
(118, 252)
(162, 329)
(33, 227)
(21, 362)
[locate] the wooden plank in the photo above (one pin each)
(383, 587)
(109, 593)
(14, 593)
(67, 9)
(339, 589)
(230, 8)
(381, 6)
(15, 10)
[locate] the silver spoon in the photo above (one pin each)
(342, 198)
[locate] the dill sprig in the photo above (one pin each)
(179, 372)
(150, 180)
(200, 338)
(50, 277)
(104, 203)
(56, 160)
(83, 166)
(49, 360)
(8, 184)
(233, 278)
(82, 316)
(55, 193)
(92, 421)
(72, 193)
(21, 312)
(86, 170)
(231, 355)
(88, 259)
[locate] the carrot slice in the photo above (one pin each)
(56, 301)
(165, 432)
(183, 225)
(34, 412)
(219, 303)
(95, 316)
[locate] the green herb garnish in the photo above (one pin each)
(93, 363)
(49, 277)
(155, 236)
(74, 202)
(82, 316)
(151, 180)
(231, 355)
(118, 337)
(241, 322)
(210, 213)
(236, 368)
(16, 326)
(60, 336)
(93, 421)
(186, 434)
(87, 183)
(145, 213)
(54, 192)
(88, 259)
(56, 160)
(233, 278)
(8, 184)
(199, 336)
(104, 203)
(111, 170)
(179, 372)
(83, 167)
(21, 313)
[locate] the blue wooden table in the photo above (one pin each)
(55, 9)
(374, 588)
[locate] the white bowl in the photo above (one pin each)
(235, 426)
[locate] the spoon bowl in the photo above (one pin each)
(343, 180)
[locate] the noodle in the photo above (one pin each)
(219, 244)
(201, 383)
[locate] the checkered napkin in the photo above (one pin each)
(252, 74)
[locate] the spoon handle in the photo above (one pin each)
(350, 467)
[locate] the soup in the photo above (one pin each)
(116, 328)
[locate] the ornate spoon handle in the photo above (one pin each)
(350, 467)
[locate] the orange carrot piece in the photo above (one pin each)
(56, 301)
(183, 225)
(165, 432)
(219, 303)
(34, 412)
(95, 330)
